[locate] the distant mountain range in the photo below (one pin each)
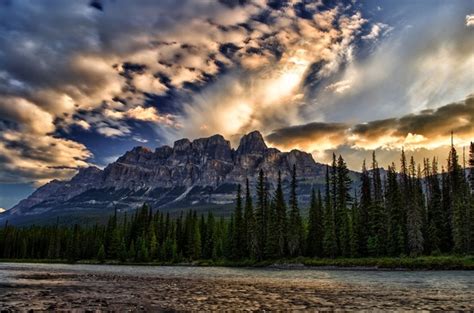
(202, 174)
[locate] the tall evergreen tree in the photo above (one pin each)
(471, 166)
(249, 221)
(329, 243)
(260, 216)
(314, 239)
(460, 203)
(238, 240)
(281, 226)
(343, 200)
(365, 205)
(295, 224)
(414, 212)
(396, 217)
(435, 214)
(377, 218)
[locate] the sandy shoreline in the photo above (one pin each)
(63, 290)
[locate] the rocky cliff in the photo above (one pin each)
(202, 174)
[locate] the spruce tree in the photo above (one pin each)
(238, 240)
(315, 235)
(396, 218)
(435, 215)
(414, 212)
(249, 221)
(281, 227)
(329, 243)
(362, 226)
(460, 204)
(295, 224)
(447, 235)
(271, 245)
(353, 224)
(343, 200)
(377, 219)
(260, 216)
(471, 167)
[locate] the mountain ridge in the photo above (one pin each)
(199, 173)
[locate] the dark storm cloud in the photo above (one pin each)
(290, 135)
(457, 117)
(434, 127)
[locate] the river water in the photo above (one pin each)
(62, 286)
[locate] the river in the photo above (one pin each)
(167, 288)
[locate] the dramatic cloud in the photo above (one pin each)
(281, 54)
(423, 62)
(28, 157)
(422, 134)
(154, 71)
(92, 66)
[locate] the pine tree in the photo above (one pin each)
(153, 243)
(281, 228)
(295, 224)
(460, 204)
(271, 245)
(377, 219)
(414, 212)
(447, 235)
(314, 239)
(435, 222)
(208, 240)
(343, 200)
(471, 166)
(365, 205)
(260, 216)
(329, 243)
(249, 221)
(196, 235)
(353, 224)
(396, 218)
(238, 240)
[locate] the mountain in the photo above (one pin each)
(200, 174)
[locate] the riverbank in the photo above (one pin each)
(404, 263)
(58, 287)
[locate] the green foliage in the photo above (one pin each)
(413, 212)
(101, 254)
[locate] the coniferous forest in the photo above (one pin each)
(412, 210)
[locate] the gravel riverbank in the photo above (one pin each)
(61, 289)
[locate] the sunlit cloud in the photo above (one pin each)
(428, 130)
(197, 68)
(470, 20)
(269, 92)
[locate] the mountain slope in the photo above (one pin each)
(200, 174)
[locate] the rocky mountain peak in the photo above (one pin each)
(182, 145)
(203, 172)
(252, 143)
(86, 174)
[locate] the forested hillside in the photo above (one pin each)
(417, 209)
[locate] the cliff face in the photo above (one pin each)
(191, 173)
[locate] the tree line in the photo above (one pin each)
(419, 209)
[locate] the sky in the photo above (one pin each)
(81, 82)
